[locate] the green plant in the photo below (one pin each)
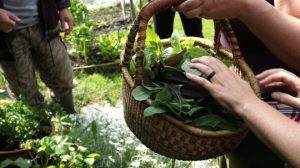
(20, 121)
(111, 45)
(97, 88)
(59, 151)
(103, 129)
(81, 39)
(165, 83)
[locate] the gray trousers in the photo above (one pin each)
(33, 54)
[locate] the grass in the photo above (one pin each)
(97, 88)
(207, 27)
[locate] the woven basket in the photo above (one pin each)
(163, 133)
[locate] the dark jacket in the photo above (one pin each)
(48, 10)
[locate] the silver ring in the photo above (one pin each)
(209, 76)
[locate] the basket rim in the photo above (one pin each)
(180, 124)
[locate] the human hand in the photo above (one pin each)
(66, 18)
(225, 86)
(8, 20)
(219, 9)
(282, 79)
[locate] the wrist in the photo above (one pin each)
(63, 10)
(246, 106)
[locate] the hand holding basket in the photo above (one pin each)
(163, 133)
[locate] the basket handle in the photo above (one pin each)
(140, 26)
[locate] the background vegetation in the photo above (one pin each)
(100, 124)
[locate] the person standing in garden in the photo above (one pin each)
(164, 23)
(30, 41)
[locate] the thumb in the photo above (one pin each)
(62, 24)
(286, 99)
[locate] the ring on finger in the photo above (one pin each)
(210, 75)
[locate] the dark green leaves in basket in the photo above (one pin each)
(165, 83)
(216, 122)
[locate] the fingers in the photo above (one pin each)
(66, 21)
(269, 72)
(70, 25)
(7, 21)
(191, 8)
(274, 76)
(62, 25)
(13, 17)
(201, 81)
(201, 67)
(212, 62)
(286, 99)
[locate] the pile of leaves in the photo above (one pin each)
(165, 83)
(20, 121)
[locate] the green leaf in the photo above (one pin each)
(151, 36)
(140, 93)
(209, 121)
(149, 57)
(175, 59)
(194, 110)
(164, 95)
(65, 158)
(195, 52)
(230, 124)
(188, 43)
(93, 155)
(151, 110)
(89, 161)
(175, 42)
(52, 166)
(153, 87)
(20, 162)
(6, 163)
(186, 68)
(168, 52)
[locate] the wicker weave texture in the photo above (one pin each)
(163, 133)
(164, 138)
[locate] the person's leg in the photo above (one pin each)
(192, 26)
(55, 69)
(163, 23)
(9, 72)
(20, 74)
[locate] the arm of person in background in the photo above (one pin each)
(7, 20)
(278, 132)
(282, 79)
(66, 20)
(277, 27)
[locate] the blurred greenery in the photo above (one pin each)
(106, 86)
(207, 27)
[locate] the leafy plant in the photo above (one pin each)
(81, 39)
(165, 83)
(111, 45)
(98, 88)
(20, 121)
(59, 151)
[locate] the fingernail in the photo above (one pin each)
(275, 95)
(188, 74)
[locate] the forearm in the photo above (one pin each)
(278, 31)
(277, 131)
